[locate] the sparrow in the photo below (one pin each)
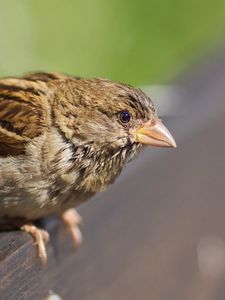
(62, 140)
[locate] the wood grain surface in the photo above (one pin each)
(157, 233)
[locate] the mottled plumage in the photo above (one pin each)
(62, 140)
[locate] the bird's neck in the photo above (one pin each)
(97, 169)
(85, 167)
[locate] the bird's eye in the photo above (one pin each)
(124, 117)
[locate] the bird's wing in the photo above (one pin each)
(24, 111)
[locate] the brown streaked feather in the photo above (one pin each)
(24, 113)
(44, 76)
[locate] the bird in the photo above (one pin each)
(64, 139)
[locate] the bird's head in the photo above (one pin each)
(112, 120)
(111, 117)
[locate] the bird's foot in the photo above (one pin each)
(72, 220)
(41, 238)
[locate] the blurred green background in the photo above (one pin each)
(138, 42)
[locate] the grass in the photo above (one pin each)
(139, 42)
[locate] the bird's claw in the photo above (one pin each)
(41, 238)
(72, 220)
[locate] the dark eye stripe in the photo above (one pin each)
(137, 104)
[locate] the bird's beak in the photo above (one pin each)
(154, 133)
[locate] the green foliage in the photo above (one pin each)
(133, 41)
